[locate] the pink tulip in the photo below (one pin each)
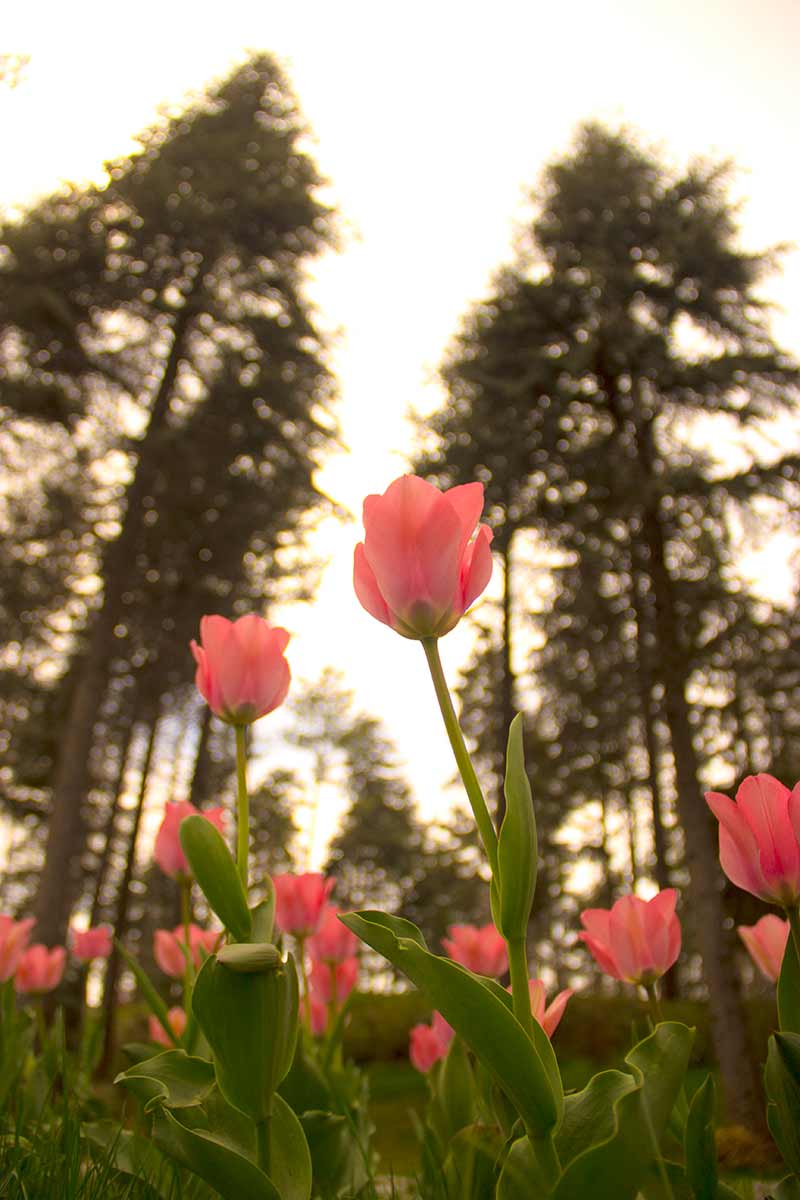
(766, 941)
(176, 1019)
(429, 1043)
(168, 851)
(300, 902)
(481, 950)
(550, 1016)
(87, 944)
(328, 979)
(759, 838)
(241, 672)
(14, 937)
(318, 1014)
(636, 940)
(40, 970)
(419, 567)
(333, 942)
(168, 948)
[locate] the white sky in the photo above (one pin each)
(430, 120)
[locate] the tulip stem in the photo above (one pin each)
(243, 806)
(794, 924)
(654, 1002)
(463, 760)
(186, 918)
(262, 1140)
(520, 992)
(306, 1005)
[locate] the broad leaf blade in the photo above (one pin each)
(216, 874)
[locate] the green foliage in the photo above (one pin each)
(216, 875)
(517, 848)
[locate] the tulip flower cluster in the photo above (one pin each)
(38, 969)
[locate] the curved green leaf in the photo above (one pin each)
(173, 1078)
(250, 1022)
(263, 915)
(517, 845)
(479, 1016)
(699, 1146)
(471, 1166)
(233, 1175)
(788, 993)
(782, 1078)
(216, 874)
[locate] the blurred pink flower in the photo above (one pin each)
(548, 1017)
(40, 970)
(428, 1043)
(333, 942)
(241, 671)
(87, 944)
(300, 902)
(759, 838)
(766, 941)
(419, 568)
(479, 949)
(636, 940)
(168, 948)
(323, 975)
(176, 1018)
(14, 938)
(168, 851)
(318, 1010)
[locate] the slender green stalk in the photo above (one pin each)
(305, 1007)
(41, 1023)
(520, 992)
(243, 806)
(186, 919)
(263, 1129)
(794, 924)
(654, 1001)
(463, 760)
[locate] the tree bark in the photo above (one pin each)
(729, 1028)
(123, 900)
(66, 832)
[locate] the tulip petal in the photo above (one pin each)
(366, 587)
(764, 803)
(477, 567)
(603, 955)
(738, 848)
(467, 501)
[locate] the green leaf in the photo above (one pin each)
(132, 1154)
(305, 1088)
(787, 1189)
(250, 1022)
(609, 1137)
(172, 1078)
(216, 874)
(337, 1161)
(471, 1166)
(782, 1078)
(457, 1093)
(517, 847)
(151, 996)
(699, 1145)
(528, 1074)
(263, 915)
(788, 994)
(228, 1171)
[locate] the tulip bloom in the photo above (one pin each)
(636, 940)
(334, 980)
(40, 970)
(87, 944)
(481, 950)
(428, 1043)
(766, 941)
(548, 1017)
(176, 1018)
(419, 567)
(300, 902)
(317, 1013)
(168, 851)
(14, 937)
(168, 948)
(241, 672)
(759, 838)
(333, 942)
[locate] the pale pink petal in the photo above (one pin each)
(603, 955)
(629, 938)
(366, 587)
(476, 569)
(555, 1011)
(764, 803)
(738, 848)
(467, 500)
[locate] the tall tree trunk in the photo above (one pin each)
(66, 833)
(105, 860)
(197, 788)
(729, 1028)
(123, 900)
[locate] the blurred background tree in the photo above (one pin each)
(614, 394)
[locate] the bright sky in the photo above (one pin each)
(430, 120)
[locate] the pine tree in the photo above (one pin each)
(629, 329)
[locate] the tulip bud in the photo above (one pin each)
(517, 846)
(249, 958)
